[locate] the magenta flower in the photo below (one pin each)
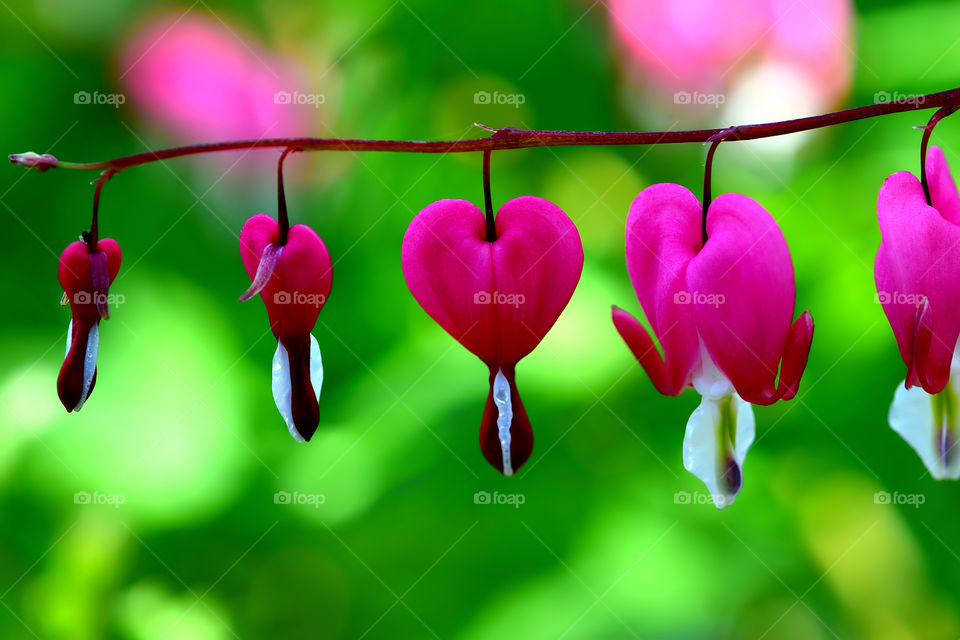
(917, 272)
(197, 78)
(497, 298)
(85, 276)
(293, 276)
(722, 312)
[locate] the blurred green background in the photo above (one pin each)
(182, 426)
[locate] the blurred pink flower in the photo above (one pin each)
(702, 48)
(198, 80)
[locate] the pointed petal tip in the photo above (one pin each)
(299, 437)
(645, 351)
(268, 263)
(499, 468)
(70, 404)
(793, 361)
(78, 373)
(721, 501)
(297, 377)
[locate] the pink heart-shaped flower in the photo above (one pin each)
(293, 280)
(498, 299)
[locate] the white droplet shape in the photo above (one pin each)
(719, 434)
(282, 393)
(929, 424)
(89, 359)
(69, 338)
(501, 396)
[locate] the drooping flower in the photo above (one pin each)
(293, 277)
(85, 276)
(497, 298)
(917, 273)
(722, 312)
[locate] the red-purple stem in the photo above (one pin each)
(941, 113)
(512, 138)
(488, 199)
(283, 221)
(93, 236)
(707, 174)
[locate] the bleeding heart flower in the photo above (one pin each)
(722, 312)
(497, 298)
(85, 276)
(293, 277)
(917, 272)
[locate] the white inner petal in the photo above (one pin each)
(709, 381)
(69, 337)
(501, 396)
(719, 434)
(282, 394)
(89, 361)
(929, 424)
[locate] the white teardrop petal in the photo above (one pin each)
(708, 444)
(502, 398)
(89, 362)
(316, 367)
(69, 338)
(912, 415)
(282, 394)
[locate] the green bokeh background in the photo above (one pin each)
(183, 426)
